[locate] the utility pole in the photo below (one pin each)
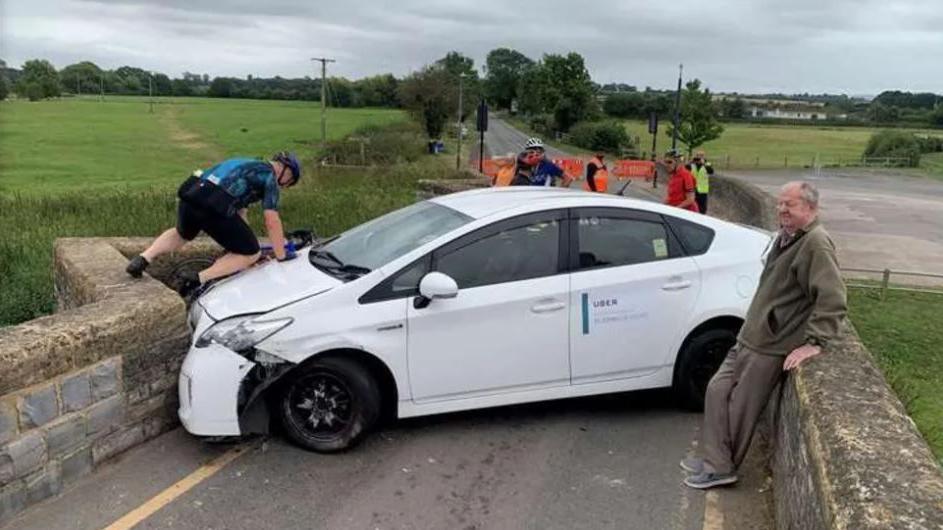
(677, 120)
(458, 151)
(323, 61)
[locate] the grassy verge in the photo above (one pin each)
(904, 334)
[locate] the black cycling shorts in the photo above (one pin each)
(232, 233)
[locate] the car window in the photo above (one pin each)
(615, 241)
(518, 252)
(403, 283)
(695, 238)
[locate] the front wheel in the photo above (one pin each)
(329, 405)
(698, 361)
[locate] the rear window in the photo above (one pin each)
(695, 238)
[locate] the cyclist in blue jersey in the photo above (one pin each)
(216, 201)
(545, 172)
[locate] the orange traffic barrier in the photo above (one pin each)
(629, 169)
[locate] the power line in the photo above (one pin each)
(323, 61)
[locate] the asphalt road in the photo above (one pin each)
(604, 462)
(878, 219)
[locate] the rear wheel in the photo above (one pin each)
(329, 404)
(698, 361)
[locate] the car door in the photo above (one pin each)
(507, 330)
(633, 290)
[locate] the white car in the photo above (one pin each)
(477, 299)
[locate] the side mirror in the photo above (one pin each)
(435, 285)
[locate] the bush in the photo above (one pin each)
(894, 144)
(608, 136)
(382, 145)
(33, 91)
(930, 144)
(542, 124)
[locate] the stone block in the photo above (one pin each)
(6, 469)
(65, 434)
(28, 453)
(75, 392)
(38, 407)
(8, 421)
(77, 464)
(106, 416)
(105, 379)
(12, 500)
(116, 443)
(44, 484)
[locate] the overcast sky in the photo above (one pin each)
(850, 46)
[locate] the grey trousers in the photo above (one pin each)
(736, 396)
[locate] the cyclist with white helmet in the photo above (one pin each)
(215, 201)
(545, 172)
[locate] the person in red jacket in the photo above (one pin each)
(681, 185)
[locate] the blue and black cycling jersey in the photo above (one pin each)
(247, 179)
(545, 172)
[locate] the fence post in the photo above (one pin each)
(363, 154)
(727, 161)
(785, 160)
(884, 283)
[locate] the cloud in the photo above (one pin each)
(855, 46)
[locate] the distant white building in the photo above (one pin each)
(782, 114)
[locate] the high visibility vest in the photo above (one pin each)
(600, 178)
(505, 176)
(701, 178)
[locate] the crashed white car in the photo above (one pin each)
(478, 299)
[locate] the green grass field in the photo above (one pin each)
(904, 334)
(747, 145)
(83, 144)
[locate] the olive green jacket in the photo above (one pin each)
(801, 297)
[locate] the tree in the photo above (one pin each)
(698, 121)
(221, 87)
(4, 87)
(429, 96)
(936, 117)
(458, 66)
(881, 113)
(561, 86)
(505, 68)
(734, 109)
(84, 76)
(179, 87)
(43, 75)
(378, 91)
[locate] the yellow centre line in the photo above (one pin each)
(713, 515)
(182, 486)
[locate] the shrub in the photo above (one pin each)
(542, 124)
(382, 145)
(894, 144)
(608, 136)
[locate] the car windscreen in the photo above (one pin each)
(377, 242)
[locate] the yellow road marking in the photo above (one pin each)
(182, 486)
(713, 515)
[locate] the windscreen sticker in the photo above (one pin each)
(660, 247)
(606, 309)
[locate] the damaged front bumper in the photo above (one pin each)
(223, 393)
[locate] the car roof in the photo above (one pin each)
(485, 202)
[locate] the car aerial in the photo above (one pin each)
(476, 299)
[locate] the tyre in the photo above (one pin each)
(329, 404)
(698, 361)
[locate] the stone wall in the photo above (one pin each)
(738, 201)
(94, 379)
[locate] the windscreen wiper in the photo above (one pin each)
(337, 264)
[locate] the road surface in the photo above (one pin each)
(595, 463)
(878, 219)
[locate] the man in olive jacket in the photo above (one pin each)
(797, 310)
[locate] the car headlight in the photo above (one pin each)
(241, 333)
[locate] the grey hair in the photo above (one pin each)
(807, 191)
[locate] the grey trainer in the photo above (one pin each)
(705, 481)
(695, 466)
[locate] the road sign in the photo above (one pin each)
(482, 123)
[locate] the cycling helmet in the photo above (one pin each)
(534, 143)
(291, 161)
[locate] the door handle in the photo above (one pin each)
(676, 286)
(547, 307)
